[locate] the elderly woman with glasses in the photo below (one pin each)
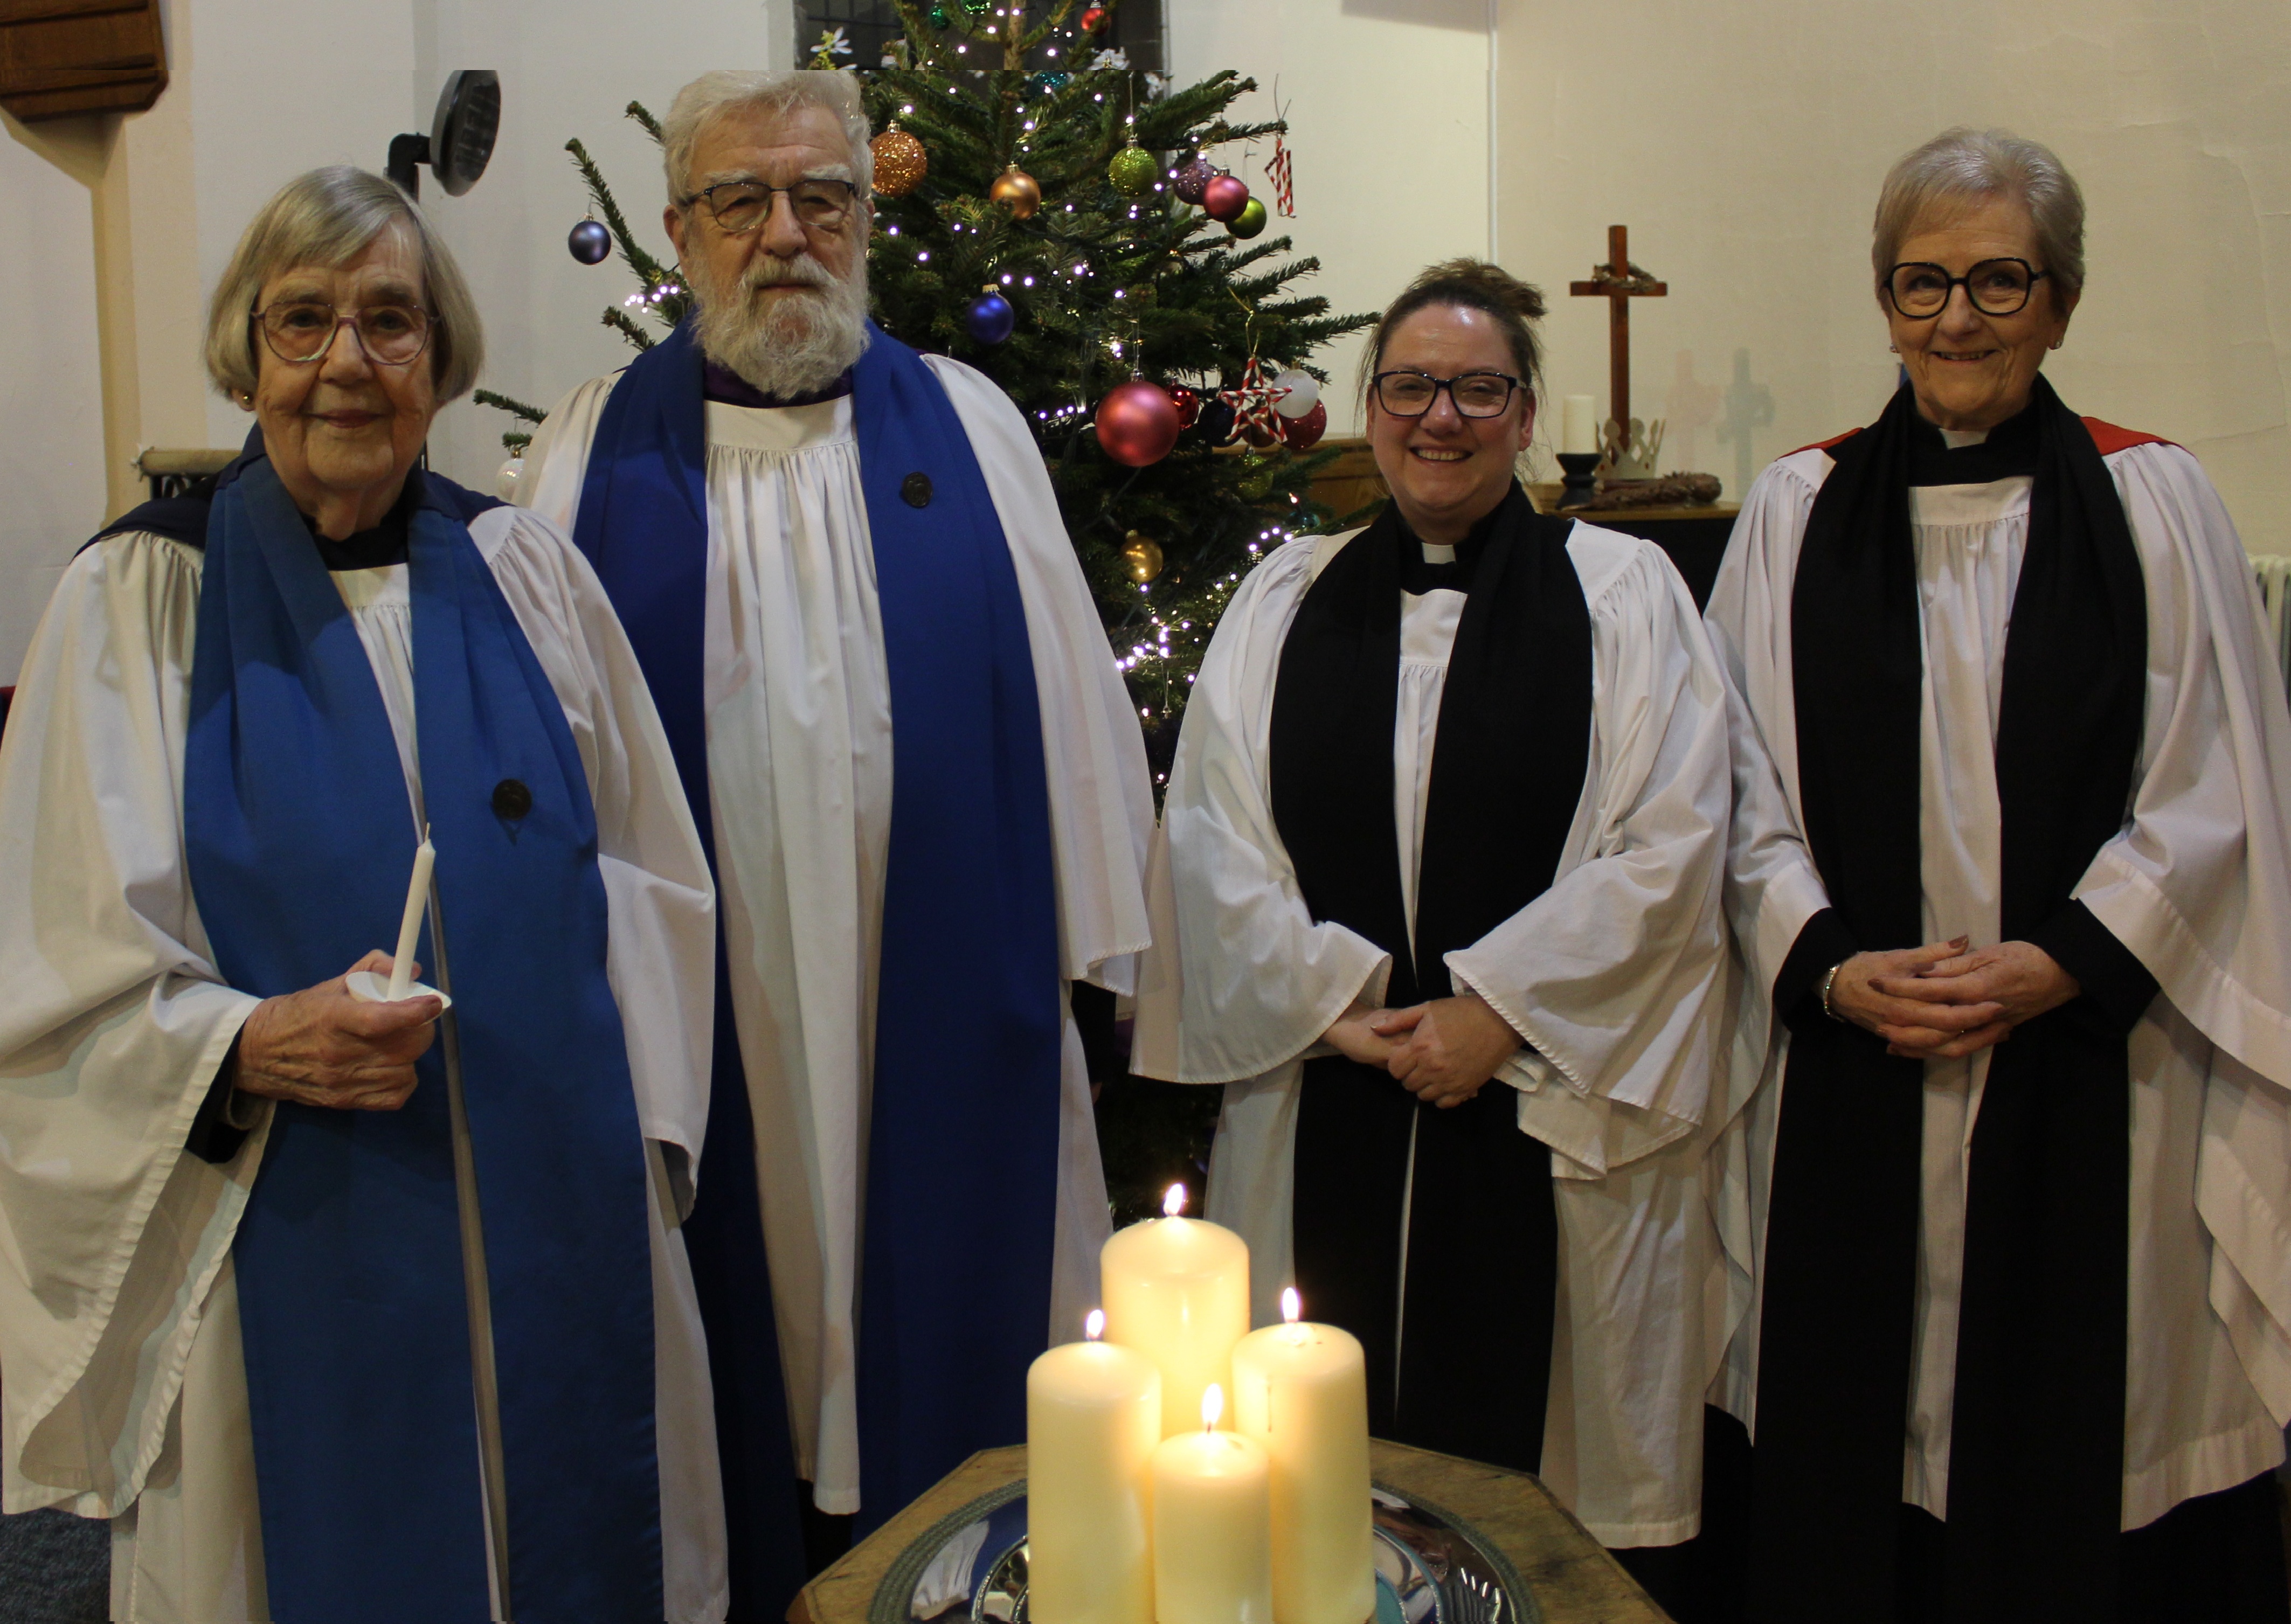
(2012, 1319)
(1439, 906)
(333, 1318)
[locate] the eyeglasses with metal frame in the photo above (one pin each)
(740, 206)
(1405, 392)
(301, 331)
(1920, 290)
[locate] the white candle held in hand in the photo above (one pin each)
(409, 924)
(1301, 1392)
(1212, 1526)
(1093, 1418)
(1177, 1289)
(1578, 432)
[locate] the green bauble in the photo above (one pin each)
(1133, 172)
(939, 16)
(1249, 221)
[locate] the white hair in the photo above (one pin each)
(329, 217)
(792, 344)
(1964, 165)
(712, 95)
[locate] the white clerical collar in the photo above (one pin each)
(1434, 553)
(1956, 439)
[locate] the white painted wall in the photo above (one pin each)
(52, 409)
(1744, 145)
(1387, 107)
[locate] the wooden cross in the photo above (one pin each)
(1619, 282)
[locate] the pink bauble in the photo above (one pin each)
(1303, 433)
(1137, 422)
(1225, 198)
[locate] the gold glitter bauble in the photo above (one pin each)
(1142, 555)
(1020, 190)
(900, 162)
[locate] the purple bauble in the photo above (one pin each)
(1193, 178)
(990, 319)
(588, 243)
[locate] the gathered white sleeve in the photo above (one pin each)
(2198, 886)
(1241, 979)
(1614, 973)
(113, 1023)
(661, 952)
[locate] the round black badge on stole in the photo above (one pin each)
(916, 489)
(511, 799)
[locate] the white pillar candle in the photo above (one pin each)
(1212, 1526)
(1177, 1289)
(1578, 431)
(1093, 1418)
(409, 923)
(1301, 1392)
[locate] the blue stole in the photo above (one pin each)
(962, 1161)
(300, 839)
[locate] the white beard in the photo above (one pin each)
(794, 343)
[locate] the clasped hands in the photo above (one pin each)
(322, 1047)
(1443, 1051)
(1947, 1000)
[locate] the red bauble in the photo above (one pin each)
(1092, 18)
(1303, 433)
(1137, 423)
(1188, 405)
(1225, 198)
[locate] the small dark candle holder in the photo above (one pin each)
(1581, 485)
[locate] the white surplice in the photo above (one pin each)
(2198, 886)
(1615, 977)
(125, 1392)
(799, 776)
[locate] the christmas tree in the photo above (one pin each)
(1044, 216)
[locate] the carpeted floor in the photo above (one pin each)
(54, 1569)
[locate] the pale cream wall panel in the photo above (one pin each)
(1744, 144)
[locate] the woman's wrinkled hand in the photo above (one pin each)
(1367, 1034)
(322, 1047)
(1995, 989)
(1454, 1046)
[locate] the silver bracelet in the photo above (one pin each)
(1828, 982)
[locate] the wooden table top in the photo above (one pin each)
(1544, 495)
(1573, 1579)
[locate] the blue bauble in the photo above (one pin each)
(1216, 420)
(990, 319)
(589, 242)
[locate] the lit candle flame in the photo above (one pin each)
(1173, 1201)
(1291, 1306)
(1093, 1325)
(1213, 1406)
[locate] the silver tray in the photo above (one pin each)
(1431, 1568)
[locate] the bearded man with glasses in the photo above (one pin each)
(1443, 844)
(902, 731)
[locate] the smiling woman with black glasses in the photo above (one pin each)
(1441, 910)
(2013, 1318)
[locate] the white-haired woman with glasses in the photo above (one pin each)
(2011, 1319)
(246, 1313)
(1439, 906)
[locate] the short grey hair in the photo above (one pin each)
(1964, 165)
(329, 217)
(713, 95)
